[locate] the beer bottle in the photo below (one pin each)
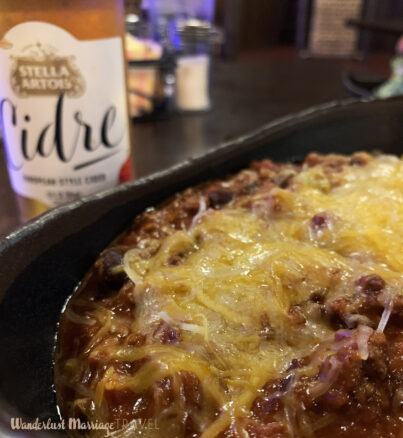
(63, 102)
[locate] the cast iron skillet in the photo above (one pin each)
(42, 262)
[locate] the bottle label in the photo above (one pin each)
(63, 112)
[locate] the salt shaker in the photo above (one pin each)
(194, 65)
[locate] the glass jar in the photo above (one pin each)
(194, 60)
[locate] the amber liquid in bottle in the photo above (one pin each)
(86, 21)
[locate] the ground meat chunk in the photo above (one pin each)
(267, 405)
(127, 405)
(271, 430)
(163, 394)
(123, 303)
(376, 367)
(284, 178)
(360, 159)
(360, 308)
(136, 340)
(191, 388)
(296, 316)
(263, 165)
(329, 163)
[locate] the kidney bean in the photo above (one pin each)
(106, 265)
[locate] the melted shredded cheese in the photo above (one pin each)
(240, 264)
(248, 263)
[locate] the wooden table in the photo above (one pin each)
(253, 91)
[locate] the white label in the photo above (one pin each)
(63, 112)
